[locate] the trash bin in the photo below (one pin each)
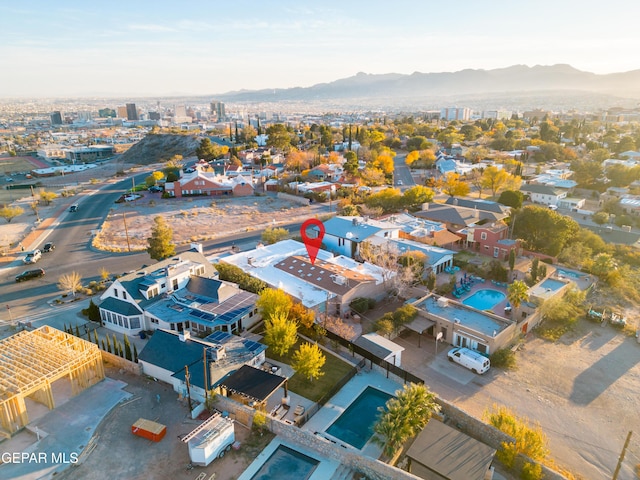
(143, 335)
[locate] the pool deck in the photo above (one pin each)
(341, 401)
(325, 469)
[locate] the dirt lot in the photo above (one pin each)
(583, 390)
(120, 454)
(195, 218)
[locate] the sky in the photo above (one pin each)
(60, 48)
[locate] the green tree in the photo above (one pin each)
(207, 150)
(280, 333)
(512, 259)
(431, 280)
(279, 137)
(517, 292)
(404, 416)
(9, 213)
(308, 361)
(417, 143)
(161, 244)
(272, 235)
(92, 312)
(127, 349)
(135, 353)
(534, 269)
(544, 230)
(231, 273)
(511, 198)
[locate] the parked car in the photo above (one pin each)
(73, 208)
(29, 274)
(155, 189)
(33, 257)
(8, 179)
(470, 359)
(48, 247)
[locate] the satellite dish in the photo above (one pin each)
(349, 235)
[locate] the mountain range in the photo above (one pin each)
(423, 88)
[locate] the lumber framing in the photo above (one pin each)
(29, 364)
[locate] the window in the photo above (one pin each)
(483, 236)
(341, 242)
(135, 322)
(124, 294)
(175, 283)
(115, 292)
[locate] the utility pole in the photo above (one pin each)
(126, 232)
(624, 450)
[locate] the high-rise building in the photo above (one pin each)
(132, 112)
(455, 113)
(122, 112)
(217, 109)
(154, 115)
(56, 118)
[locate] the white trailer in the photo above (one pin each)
(210, 440)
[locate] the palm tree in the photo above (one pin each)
(405, 416)
(517, 293)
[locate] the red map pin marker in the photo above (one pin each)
(312, 244)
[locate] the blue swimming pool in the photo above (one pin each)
(355, 425)
(551, 284)
(286, 464)
(484, 299)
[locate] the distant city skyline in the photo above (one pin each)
(140, 48)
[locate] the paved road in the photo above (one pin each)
(402, 173)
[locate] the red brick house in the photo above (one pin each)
(492, 240)
(201, 183)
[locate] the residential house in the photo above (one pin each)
(456, 217)
(344, 235)
(479, 204)
(441, 452)
(199, 182)
(168, 356)
(491, 239)
(543, 194)
(436, 259)
(179, 293)
(422, 230)
(327, 285)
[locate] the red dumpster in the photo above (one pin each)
(150, 430)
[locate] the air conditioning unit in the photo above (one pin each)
(456, 320)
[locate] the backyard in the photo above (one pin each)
(334, 371)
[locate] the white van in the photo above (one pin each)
(469, 358)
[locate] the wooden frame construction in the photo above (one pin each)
(31, 361)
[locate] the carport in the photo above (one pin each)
(420, 325)
(252, 386)
(29, 364)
